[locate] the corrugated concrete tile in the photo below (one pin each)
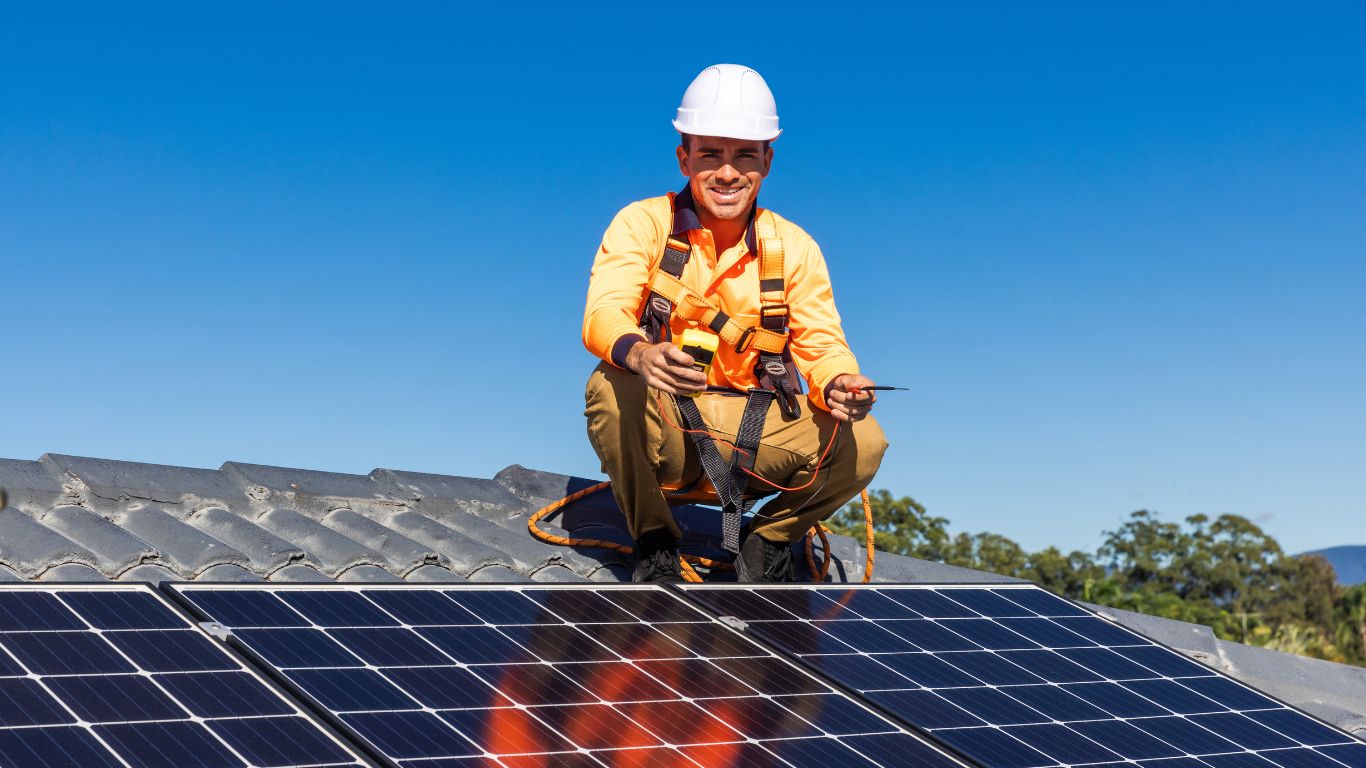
(299, 573)
(71, 572)
(498, 574)
(148, 572)
(114, 485)
(332, 551)
(536, 487)
(403, 553)
(184, 548)
(307, 490)
(434, 574)
(464, 554)
(556, 573)
(527, 552)
(228, 572)
(367, 573)
(442, 495)
(266, 551)
(610, 573)
(116, 550)
(32, 488)
(31, 548)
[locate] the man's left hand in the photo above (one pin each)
(847, 396)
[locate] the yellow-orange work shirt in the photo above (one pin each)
(632, 249)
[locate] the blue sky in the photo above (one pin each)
(1119, 253)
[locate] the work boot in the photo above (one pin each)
(657, 559)
(763, 561)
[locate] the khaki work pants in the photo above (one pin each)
(640, 452)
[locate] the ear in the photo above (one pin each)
(768, 162)
(682, 153)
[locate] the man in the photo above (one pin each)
(718, 241)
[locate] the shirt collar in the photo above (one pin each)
(685, 218)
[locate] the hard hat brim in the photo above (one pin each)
(741, 134)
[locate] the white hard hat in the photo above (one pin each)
(730, 101)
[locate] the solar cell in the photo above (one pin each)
(468, 675)
(1014, 677)
(111, 675)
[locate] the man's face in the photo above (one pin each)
(724, 174)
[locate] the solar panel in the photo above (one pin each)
(110, 676)
(515, 675)
(1015, 677)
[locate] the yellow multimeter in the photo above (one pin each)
(701, 346)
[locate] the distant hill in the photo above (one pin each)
(1348, 561)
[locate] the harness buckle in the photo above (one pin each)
(775, 312)
(742, 343)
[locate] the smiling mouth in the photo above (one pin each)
(726, 194)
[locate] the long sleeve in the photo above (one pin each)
(817, 339)
(617, 286)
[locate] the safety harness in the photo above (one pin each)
(775, 371)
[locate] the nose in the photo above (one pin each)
(727, 174)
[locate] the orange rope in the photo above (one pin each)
(686, 562)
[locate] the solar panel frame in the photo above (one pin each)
(768, 716)
(144, 681)
(1349, 751)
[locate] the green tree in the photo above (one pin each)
(989, 552)
(1072, 575)
(900, 526)
(1350, 622)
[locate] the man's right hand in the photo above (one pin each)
(665, 367)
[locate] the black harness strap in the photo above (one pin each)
(658, 309)
(729, 490)
(777, 378)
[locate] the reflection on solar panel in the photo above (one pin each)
(545, 676)
(1015, 677)
(108, 676)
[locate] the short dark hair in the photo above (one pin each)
(685, 140)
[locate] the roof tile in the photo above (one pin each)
(497, 574)
(107, 484)
(32, 488)
(367, 573)
(434, 574)
(71, 572)
(228, 572)
(266, 551)
(306, 490)
(293, 573)
(184, 548)
(115, 549)
(31, 548)
(402, 553)
(148, 572)
(332, 551)
(556, 573)
(464, 554)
